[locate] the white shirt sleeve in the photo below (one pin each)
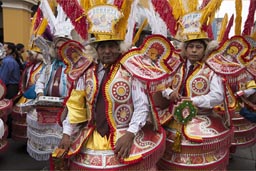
(249, 92)
(40, 83)
(141, 107)
(215, 95)
(166, 93)
(68, 128)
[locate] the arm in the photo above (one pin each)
(67, 131)
(75, 114)
(138, 120)
(6, 69)
(214, 97)
(249, 115)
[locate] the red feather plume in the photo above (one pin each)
(164, 9)
(76, 15)
(230, 24)
(250, 19)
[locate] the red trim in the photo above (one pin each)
(219, 165)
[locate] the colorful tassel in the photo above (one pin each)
(177, 143)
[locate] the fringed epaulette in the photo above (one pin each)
(153, 62)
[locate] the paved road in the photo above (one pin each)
(17, 158)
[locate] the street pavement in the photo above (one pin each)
(17, 158)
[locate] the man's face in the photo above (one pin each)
(195, 51)
(108, 52)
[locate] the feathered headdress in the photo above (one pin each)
(193, 21)
(116, 19)
(60, 25)
(39, 27)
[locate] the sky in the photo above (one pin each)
(228, 6)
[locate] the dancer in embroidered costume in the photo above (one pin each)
(109, 125)
(44, 132)
(197, 137)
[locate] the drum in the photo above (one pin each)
(200, 144)
(5, 109)
(244, 133)
(43, 131)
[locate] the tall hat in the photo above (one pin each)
(113, 19)
(105, 21)
(193, 20)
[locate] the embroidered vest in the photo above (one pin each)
(119, 113)
(198, 83)
(117, 93)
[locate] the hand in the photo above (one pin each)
(241, 104)
(124, 145)
(175, 96)
(160, 101)
(65, 142)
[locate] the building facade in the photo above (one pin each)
(15, 20)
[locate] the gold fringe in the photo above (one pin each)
(223, 27)
(238, 20)
(137, 36)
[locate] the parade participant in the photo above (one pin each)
(52, 86)
(109, 108)
(197, 137)
(43, 130)
(10, 76)
(20, 49)
(34, 66)
(10, 71)
(240, 49)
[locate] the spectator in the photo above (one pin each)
(20, 49)
(10, 71)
